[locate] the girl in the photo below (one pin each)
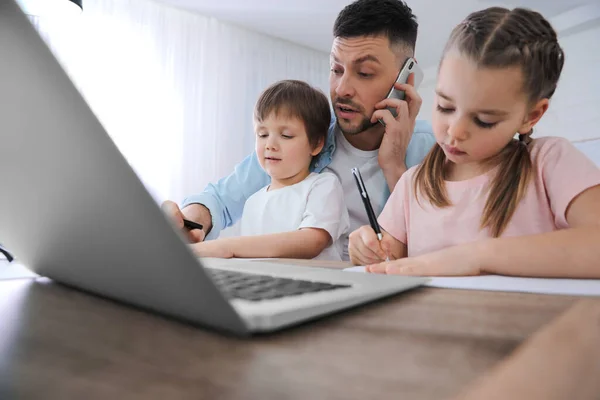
(483, 201)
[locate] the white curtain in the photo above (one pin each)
(174, 89)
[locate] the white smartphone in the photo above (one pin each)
(410, 67)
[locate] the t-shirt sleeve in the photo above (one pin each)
(395, 212)
(566, 172)
(325, 207)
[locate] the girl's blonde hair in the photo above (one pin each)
(498, 38)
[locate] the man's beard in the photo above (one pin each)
(365, 124)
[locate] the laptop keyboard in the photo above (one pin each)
(254, 287)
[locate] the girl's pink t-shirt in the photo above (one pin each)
(561, 173)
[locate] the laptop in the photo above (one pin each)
(73, 210)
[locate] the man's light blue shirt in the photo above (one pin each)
(226, 198)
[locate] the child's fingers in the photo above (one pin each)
(369, 244)
(392, 267)
(388, 246)
(376, 268)
(358, 256)
(387, 250)
(364, 244)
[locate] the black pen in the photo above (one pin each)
(367, 203)
(191, 224)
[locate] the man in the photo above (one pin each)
(372, 40)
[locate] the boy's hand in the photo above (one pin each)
(171, 209)
(365, 248)
(212, 248)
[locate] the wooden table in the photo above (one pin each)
(59, 343)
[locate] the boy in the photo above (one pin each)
(299, 214)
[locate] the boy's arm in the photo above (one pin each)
(324, 220)
(220, 205)
(303, 243)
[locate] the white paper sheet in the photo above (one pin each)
(575, 287)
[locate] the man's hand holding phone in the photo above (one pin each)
(399, 129)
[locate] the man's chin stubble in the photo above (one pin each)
(365, 125)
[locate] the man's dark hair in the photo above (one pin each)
(392, 18)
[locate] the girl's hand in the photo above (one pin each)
(461, 260)
(212, 248)
(365, 248)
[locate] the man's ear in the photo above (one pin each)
(533, 116)
(317, 149)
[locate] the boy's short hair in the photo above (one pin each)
(297, 99)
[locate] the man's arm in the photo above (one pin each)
(420, 144)
(220, 205)
(406, 141)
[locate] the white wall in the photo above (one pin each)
(174, 89)
(590, 148)
(574, 111)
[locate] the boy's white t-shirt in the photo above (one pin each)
(315, 202)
